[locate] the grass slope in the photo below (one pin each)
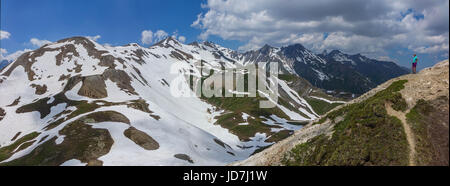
(364, 134)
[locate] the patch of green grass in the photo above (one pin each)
(7, 151)
(284, 103)
(81, 142)
(246, 104)
(367, 135)
(244, 132)
(44, 109)
(249, 105)
(321, 107)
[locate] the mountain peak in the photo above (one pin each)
(168, 42)
(266, 49)
(76, 39)
(297, 45)
(209, 44)
(335, 52)
(133, 44)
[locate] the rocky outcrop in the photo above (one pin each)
(121, 78)
(2, 113)
(93, 87)
(141, 138)
(184, 157)
(104, 116)
(40, 89)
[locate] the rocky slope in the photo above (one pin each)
(403, 121)
(76, 102)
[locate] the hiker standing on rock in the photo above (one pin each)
(414, 63)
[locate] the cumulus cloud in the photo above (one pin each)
(13, 56)
(182, 39)
(38, 42)
(149, 36)
(4, 34)
(94, 38)
(354, 26)
(3, 51)
(160, 35)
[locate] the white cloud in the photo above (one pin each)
(160, 35)
(432, 49)
(4, 34)
(182, 39)
(13, 56)
(366, 26)
(386, 58)
(38, 42)
(94, 38)
(147, 37)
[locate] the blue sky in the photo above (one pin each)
(242, 25)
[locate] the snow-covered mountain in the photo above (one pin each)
(335, 71)
(76, 102)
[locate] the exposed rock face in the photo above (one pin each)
(64, 53)
(2, 113)
(23, 61)
(15, 102)
(93, 87)
(105, 116)
(71, 82)
(140, 105)
(121, 78)
(184, 157)
(40, 89)
(141, 138)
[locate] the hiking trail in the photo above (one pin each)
(409, 134)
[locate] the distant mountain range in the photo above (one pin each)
(335, 71)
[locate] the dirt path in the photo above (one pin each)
(409, 134)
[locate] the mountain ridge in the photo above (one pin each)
(417, 98)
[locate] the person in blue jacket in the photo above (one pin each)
(414, 63)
